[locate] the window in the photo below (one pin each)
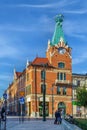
(28, 90)
(58, 90)
(64, 76)
(64, 90)
(27, 76)
(61, 65)
(58, 76)
(78, 82)
(61, 76)
(43, 88)
(41, 108)
(43, 74)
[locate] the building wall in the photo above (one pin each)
(79, 80)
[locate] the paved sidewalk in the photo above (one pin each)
(14, 124)
(39, 125)
(34, 125)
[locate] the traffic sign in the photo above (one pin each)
(5, 95)
(21, 93)
(21, 100)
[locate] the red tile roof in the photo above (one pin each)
(41, 61)
(18, 74)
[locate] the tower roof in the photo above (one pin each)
(58, 33)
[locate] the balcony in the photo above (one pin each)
(62, 81)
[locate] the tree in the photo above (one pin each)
(82, 97)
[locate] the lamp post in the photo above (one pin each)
(52, 89)
(35, 92)
(5, 106)
(52, 100)
(44, 94)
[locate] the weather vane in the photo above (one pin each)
(59, 19)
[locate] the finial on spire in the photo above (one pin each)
(27, 63)
(59, 19)
(58, 35)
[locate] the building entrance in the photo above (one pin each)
(41, 108)
(62, 107)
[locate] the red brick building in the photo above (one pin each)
(54, 73)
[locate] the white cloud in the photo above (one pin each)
(6, 64)
(76, 29)
(51, 5)
(82, 56)
(77, 60)
(12, 27)
(8, 51)
(5, 77)
(80, 11)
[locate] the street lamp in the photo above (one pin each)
(52, 100)
(44, 92)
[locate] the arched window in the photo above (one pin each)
(61, 65)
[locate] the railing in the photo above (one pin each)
(62, 81)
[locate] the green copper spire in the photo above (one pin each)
(58, 33)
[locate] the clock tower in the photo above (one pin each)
(59, 55)
(58, 49)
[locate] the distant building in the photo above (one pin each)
(79, 80)
(52, 74)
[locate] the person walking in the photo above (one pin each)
(3, 113)
(55, 122)
(59, 119)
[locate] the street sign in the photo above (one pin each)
(5, 95)
(21, 100)
(21, 93)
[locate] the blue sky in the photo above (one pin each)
(26, 26)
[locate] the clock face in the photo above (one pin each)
(61, 50)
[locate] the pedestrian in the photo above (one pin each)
(59, 119)
(3, 113)
(55, 122)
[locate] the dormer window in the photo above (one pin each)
(61, 65)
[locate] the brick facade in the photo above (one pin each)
(53, 72)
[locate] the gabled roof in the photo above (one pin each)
(41, 61)
(18, 74)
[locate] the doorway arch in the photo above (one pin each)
(62, 107)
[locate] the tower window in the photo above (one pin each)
(61, 65)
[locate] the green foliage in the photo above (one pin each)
(82, 96)
(82, 123)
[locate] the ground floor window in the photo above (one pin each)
(41, 108)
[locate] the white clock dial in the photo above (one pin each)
(61, 50)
